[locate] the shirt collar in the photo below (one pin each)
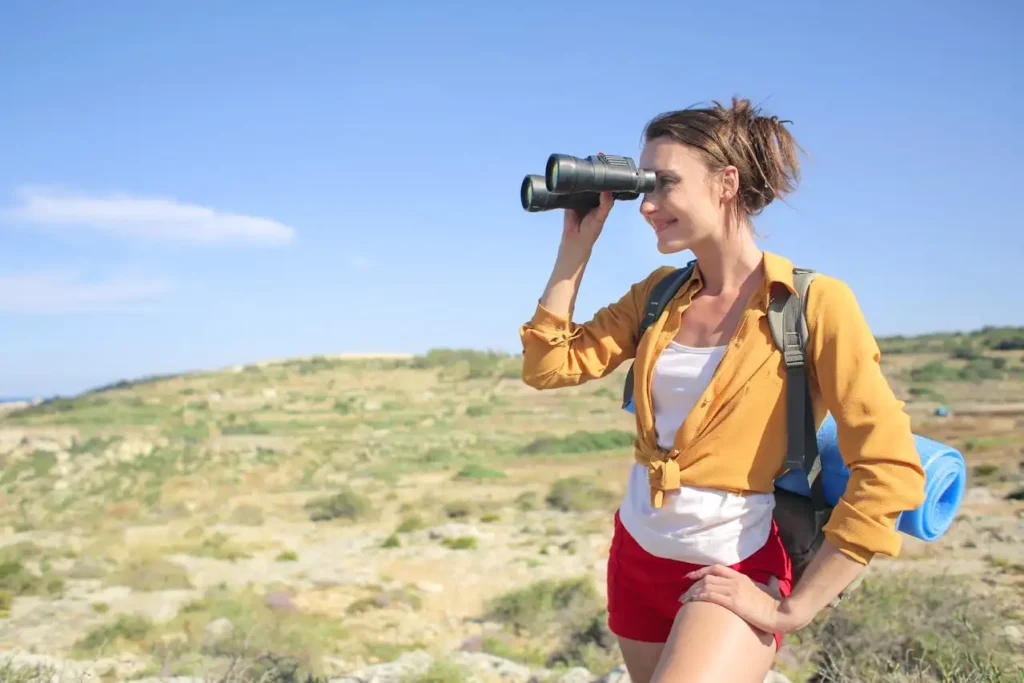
(777, 270)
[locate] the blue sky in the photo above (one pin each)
(191, 185)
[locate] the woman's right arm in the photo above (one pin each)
(558, 352)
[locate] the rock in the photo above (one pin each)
(617, 675)
(279, 600)
(576, 674)
(1014, 634)
(978, 495)
(36, 667)
(412, 663)
(218, 630)
(456, 530)
(775, 677)
(430, 587)
(492, 666)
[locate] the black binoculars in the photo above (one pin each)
(573, 183)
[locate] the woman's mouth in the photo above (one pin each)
(661, 226)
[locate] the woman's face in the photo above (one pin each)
(688, 205)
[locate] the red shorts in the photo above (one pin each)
(644, 590)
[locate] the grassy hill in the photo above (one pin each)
(321, 515)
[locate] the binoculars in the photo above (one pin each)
(573, 183)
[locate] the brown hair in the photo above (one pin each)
(760, 147)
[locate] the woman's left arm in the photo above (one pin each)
(875, 439)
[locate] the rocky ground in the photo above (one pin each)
(421, 520)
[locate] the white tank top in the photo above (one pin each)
(696, 525)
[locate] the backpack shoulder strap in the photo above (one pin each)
(660, 295)
(788, 326)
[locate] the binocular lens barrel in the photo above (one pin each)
(534, 197)
(565, 174)
(573, 183)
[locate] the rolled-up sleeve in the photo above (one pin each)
(873, 429)
(558, 352)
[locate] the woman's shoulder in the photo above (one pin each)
(831, 301)
(640, 291)
(829, 296)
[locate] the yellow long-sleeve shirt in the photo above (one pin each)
(735, 437)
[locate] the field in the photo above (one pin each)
(433, 519)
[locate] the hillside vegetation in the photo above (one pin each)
(322, 516)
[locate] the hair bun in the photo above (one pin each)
(759, 146)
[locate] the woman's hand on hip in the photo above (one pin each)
(759, 605)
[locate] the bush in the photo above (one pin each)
(935, 371)
(270, 640)
(469, 363)
(151, 575)
(130, 628)
(572, 494)
(976, 369)
(911, 627)
(460, 543)
(346, 504)
(545, 605)
(580, 442)
(568, 617)
(477, 472)
(441, 671)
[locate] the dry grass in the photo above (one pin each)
(283, 459)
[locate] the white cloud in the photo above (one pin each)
(156, 218)
(62, 291)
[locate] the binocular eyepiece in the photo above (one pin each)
(573, 183)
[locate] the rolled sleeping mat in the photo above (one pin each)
(945, 482)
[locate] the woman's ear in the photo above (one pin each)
(729, 183)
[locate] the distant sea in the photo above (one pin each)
(15, 399)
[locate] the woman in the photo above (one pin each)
(699, 584)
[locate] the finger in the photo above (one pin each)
(714, 569)
(714, 596)
(695, 588)
(605, 204)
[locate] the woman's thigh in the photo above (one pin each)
(640, 657)
(709, 642)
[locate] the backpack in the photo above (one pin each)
(800, 518)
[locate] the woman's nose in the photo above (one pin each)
(646, 206)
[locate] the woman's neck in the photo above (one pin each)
(728, 265)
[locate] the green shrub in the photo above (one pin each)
(469, 363)
(151, 575)
(911, 626)
(130, 628)
(580, 442)
(979, 368)
(409, 524)
(475, 471)
(460, 543)
(545, 605)
(440, 671)
(346, 504)
(573, 494)
(934, 371)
